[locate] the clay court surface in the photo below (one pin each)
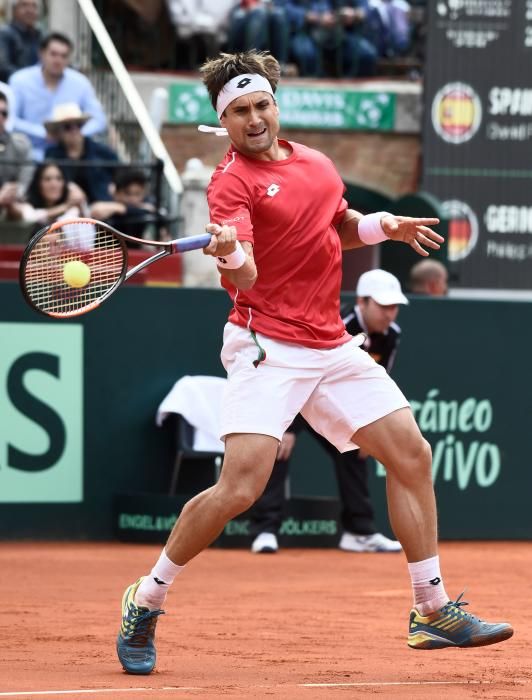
(298, 625)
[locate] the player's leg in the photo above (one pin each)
(357, 403)
(247, 466)
(396, 442)
(435, 622)
(262, 397)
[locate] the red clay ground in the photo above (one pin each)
(299, 625)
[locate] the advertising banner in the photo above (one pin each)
(78, 402)
(477, 137)
(41, 424)
(300, 107)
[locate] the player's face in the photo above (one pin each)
(252, 122)
(377, 317)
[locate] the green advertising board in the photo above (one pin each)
(78, 402)
(300, 107)
(41, 416)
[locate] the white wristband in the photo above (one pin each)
(234, 260)
(370, 229)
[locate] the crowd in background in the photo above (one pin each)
(310, 38)
(54, 161)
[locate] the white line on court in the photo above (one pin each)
(35, 693)
(386, 683)
(93, 691)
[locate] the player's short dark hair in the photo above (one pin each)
(128, 176)
(216, 72)
(3, 97)
(55, 36)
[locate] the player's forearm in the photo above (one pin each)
(348, 230)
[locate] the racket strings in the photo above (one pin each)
(94, 246)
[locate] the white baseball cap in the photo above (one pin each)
(382, 287)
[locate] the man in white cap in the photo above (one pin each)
(378, 297)
(279, 223)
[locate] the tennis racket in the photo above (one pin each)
(73, 265)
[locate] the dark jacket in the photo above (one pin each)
(94, 180)
(19, 48)
(381, 346)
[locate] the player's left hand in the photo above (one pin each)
(416, 232)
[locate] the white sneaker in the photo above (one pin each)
(368, 543)
(265, 543)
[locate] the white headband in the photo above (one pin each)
(241, 85)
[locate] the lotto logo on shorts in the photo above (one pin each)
(41, 425)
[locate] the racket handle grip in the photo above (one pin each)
(192, 242)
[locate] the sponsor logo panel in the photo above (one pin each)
(41, 406)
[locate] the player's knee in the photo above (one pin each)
(239, 499)
(421, 460)
(415, 463)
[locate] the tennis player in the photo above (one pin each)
(279, 225)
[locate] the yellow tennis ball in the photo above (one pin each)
(76, 273)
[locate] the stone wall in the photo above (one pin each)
(386, 162)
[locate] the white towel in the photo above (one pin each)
(199, 400)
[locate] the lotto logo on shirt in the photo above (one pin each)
(272, 190)
(456, 113)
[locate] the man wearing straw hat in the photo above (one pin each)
(64, 127)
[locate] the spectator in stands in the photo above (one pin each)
(20, 39)
(130, 211)
(262, 25)
(38, 89)
(389, 27)
(327, 38)
(428, 277)
(202, 26)
(50, 196)
(16, 170)
(64, 128)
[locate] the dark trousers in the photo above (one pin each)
(352, 473)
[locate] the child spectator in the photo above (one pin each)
(129, 212)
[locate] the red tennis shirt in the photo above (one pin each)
(288, 210)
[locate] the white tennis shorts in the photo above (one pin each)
(337, 390)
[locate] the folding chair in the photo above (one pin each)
(185, 451)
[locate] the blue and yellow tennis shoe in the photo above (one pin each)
(453, 627)
(135, 644)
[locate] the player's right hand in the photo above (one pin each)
(223, 240)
